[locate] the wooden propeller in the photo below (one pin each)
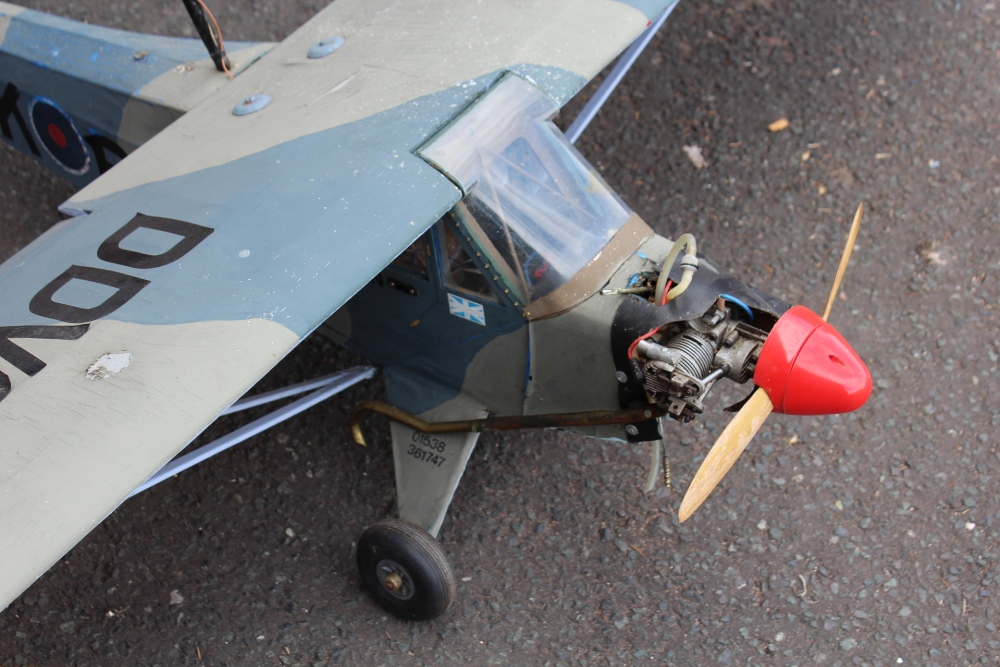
(741, 430)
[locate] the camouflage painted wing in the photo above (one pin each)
(206, 255)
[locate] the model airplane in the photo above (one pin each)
(388, 174)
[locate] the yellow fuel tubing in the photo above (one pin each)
(689, 262)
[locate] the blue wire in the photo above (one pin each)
(739, 303)
(527, 368)
(642, 255)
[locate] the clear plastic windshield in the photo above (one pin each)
(535, 203)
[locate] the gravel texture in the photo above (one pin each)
(862, 539)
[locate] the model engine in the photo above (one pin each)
(681, 363)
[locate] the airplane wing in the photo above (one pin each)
(197, 263)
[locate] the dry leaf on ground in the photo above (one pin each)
(778, 125)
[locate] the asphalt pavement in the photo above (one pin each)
(862, 539)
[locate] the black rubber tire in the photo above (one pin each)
(423, 563)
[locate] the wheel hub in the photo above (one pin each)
(395, 579)
(393, 582)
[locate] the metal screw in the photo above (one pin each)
(621, 377)
(251, 104)
(632, 429)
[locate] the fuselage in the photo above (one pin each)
(514, 298)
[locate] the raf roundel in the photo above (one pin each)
(57, 133)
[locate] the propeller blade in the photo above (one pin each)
(726, 450)
(844, 259)
(755, 410)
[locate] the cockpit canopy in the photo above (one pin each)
(534, 204)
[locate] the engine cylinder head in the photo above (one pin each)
(694, 353)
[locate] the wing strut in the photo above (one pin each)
(617, 73)
(321, 388)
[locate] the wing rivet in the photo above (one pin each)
(326, 46)
(251, 104)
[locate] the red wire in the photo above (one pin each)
(631, 348)
(666, 288)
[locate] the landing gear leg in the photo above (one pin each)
(401, 563)
(405, 570)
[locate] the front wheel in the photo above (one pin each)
(405, 570)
